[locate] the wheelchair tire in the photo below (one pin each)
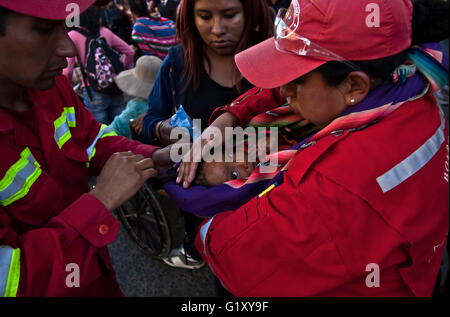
(146, 223)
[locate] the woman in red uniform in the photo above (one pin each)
(361, 209)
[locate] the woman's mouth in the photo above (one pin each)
(221, 44)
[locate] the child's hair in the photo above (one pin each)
(200, 176)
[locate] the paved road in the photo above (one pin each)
(141, 276)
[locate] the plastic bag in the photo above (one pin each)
(182, 120)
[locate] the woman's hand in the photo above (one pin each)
(163, 133)
(188, 169)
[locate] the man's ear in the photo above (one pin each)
(356, 87)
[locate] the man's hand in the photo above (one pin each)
(121, 177)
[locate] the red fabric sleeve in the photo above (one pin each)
(88, 130)
(77, 235)
(253, 102)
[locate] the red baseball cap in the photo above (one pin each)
(354, 30)
(46, 9)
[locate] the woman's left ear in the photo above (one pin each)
(358, 87)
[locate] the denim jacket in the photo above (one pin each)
(168, 93)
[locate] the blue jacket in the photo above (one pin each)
(168, 93)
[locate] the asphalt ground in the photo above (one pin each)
(140, 275)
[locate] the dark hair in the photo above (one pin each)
(3, 16)
(381, 69)
(91, 19)
(430, 24)
(139, 8)
(258, 27)
(430, 21)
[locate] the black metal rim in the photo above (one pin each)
(146, 223)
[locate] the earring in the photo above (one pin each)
(353, 100)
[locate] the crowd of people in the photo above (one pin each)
(362, 163)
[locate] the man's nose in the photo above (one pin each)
(65, 47)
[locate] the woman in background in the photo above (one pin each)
(104, 107)
(201, 74)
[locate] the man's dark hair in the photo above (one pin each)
(3, 16)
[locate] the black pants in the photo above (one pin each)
(191, 223)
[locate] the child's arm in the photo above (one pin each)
(253, 102)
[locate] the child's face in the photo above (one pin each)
(216, 173)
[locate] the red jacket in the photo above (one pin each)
(248, 105)
(47, 220)
(321, 231)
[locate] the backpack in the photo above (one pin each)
(102, 65)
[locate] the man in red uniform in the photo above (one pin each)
(53, 229)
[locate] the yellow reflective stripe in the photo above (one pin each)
(105, 131)
(19, 178)
(109, 132)
(60, 121)
(12, 285)
(62, 124)
(64, 139)
(112, 133)
(267, 190)
(70, 116)
(94, 150)
(14, 169)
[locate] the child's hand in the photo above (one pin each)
(162, 159)
(137, 124)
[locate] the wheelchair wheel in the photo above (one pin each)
(146, 223)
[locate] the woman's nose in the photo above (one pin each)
(287, 90)
(217, 26)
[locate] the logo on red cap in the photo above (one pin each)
(373, 19)
(73, 16)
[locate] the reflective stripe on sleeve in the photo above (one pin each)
(413, 163)
(63, 124)
(104, 132)
(19, 178)
(204, 231)
(9, 271)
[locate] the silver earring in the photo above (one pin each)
(353, 100)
